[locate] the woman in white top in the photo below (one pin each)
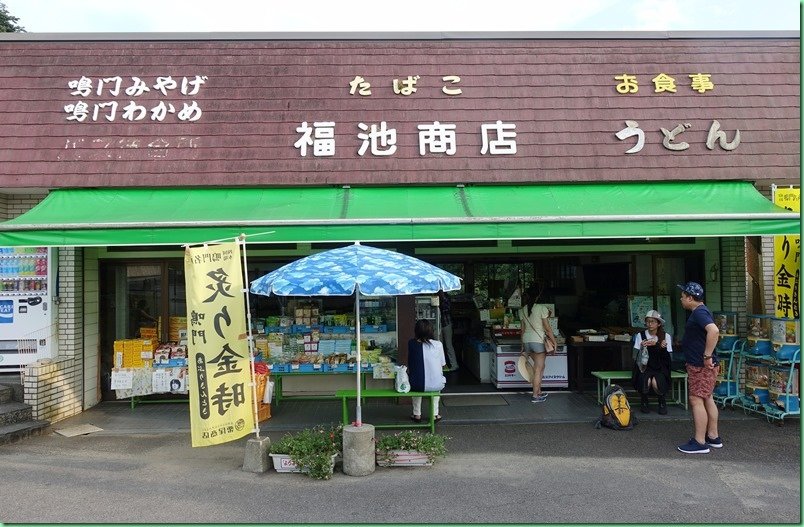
(426, 363)
(651, 371)
(535, 330)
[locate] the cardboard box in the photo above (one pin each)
(263, 412)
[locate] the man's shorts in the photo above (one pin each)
(701, 380)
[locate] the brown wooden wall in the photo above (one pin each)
(560, 94)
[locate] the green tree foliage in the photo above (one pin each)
(8, 23)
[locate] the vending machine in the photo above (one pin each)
(27, 318)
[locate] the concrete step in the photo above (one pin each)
(17, 431)
(14, 412)
(16, 390)
(6, 394)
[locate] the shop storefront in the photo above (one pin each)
(607, 168)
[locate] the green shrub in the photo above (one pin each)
(433, 445)
(312, 449)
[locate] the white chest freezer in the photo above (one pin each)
(504, 373)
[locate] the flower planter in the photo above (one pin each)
(283, 463)
(403, 458)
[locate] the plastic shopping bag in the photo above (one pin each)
(402, 382)
(269, 392)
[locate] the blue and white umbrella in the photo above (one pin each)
(356, 269)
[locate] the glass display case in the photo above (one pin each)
(759, 329)
(785, 337)
(756, 382)
(783, 388)
(726, 322)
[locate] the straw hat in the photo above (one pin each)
(655, 314)
(525, 367)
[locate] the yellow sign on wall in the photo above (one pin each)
(221, 407)
(787, 259)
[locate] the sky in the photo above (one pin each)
(82, 16)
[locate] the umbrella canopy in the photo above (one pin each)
(375, 272)
(357, 269)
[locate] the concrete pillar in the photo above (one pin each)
(358, 450)
(256, 458)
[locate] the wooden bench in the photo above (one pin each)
(678, 384)
(345, 395)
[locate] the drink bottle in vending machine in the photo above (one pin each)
(27, 314)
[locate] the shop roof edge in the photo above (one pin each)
(404, 35)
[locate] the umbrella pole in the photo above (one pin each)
(358, 410)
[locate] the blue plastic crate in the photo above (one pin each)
(760, 395)
(788, 402)
(280, 368)
(786, 352)
(726, 388)
(727, 342)
(760, 347)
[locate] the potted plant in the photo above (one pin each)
(410, 448)
(311, 451)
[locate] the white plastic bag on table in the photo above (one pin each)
(402, 382)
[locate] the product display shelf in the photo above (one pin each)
(279, 395)
(791, 391)
(727, 388)
(749, 403)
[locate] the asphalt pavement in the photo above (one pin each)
(493, 473)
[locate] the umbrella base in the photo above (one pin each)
(358, 450)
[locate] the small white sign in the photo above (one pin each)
(160, 380)
(122, 379)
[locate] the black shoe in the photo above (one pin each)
(416, 419)
(644, 407)
(662, 405)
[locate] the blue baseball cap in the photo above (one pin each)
(692, 288)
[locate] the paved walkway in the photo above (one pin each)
(456, 409)
(493, 473)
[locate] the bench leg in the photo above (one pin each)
(345, 410)
(277, 390)
(686, 394)
(432, 415)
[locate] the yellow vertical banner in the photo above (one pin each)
(218, 356)
(787, 259)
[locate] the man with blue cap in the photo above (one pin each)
(699, 343)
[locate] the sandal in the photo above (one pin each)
(416, 419)
(437, 418)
